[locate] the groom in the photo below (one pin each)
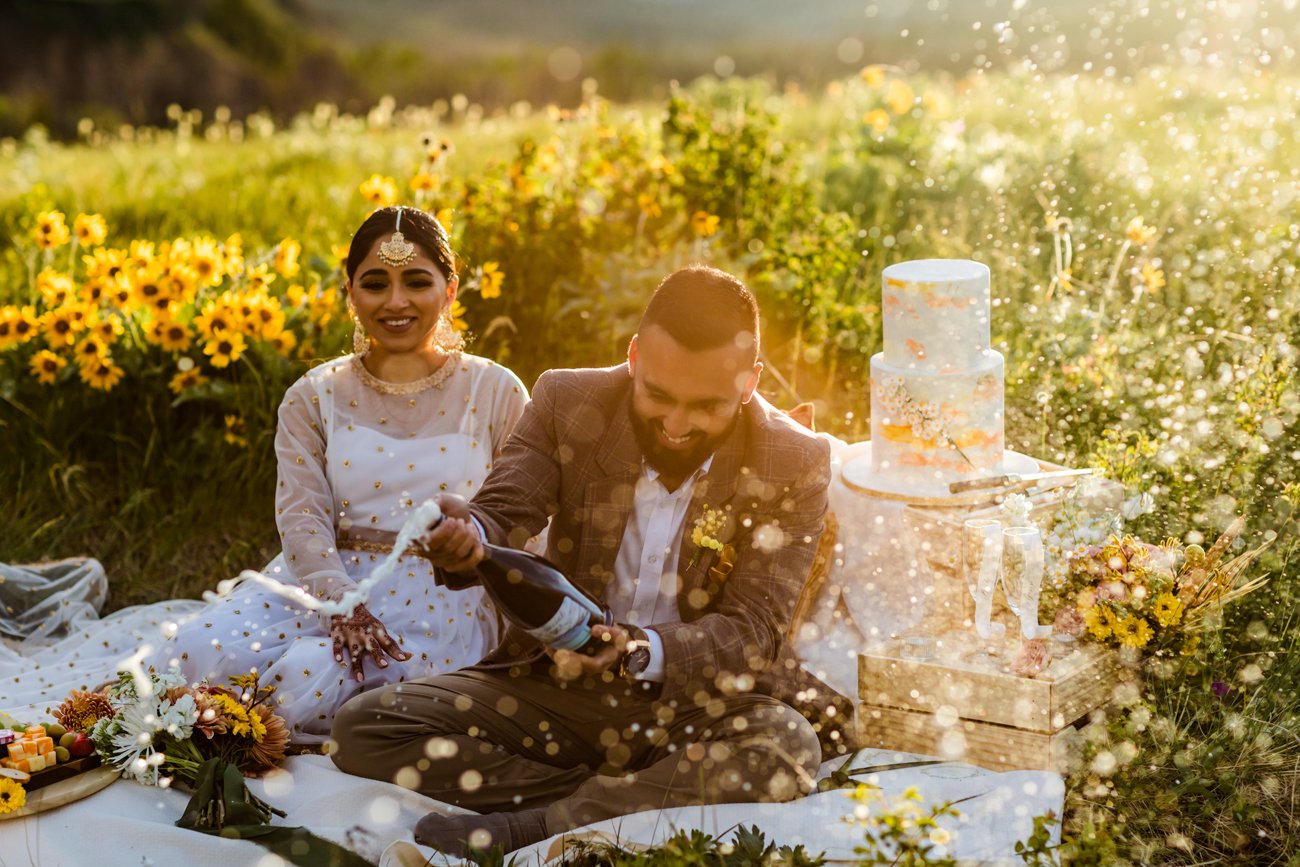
(693, 508)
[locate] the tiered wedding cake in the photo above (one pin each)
(936, 389)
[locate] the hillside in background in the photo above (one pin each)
(125, 61)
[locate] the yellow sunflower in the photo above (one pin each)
(61, 326)
(17, 325)
(267, 317)
(205, 262)
(423, 182)
(283, 343)
(12, 795)
(286, 258)
(94, 291)
(141, 254)
(878, 119)
(216, 319)
(185, 380)
(234, 433)
(46, 366)
(490, 282)
(260, 278)
(705, 224)
(899, 97)
(225, 347)
(233, 252)
(171, 335)
(379, 190)
(457, 316)
(649, 205)
(322, 306)
(1139, 233)
(55, 287)
(91, 350)
(103, 374)
(90, 229)
(107, 326)
(1133, 632)
(105, 263)
(121, 291)
(26, 323)
(149, 288)
(1094, 617)
(51, 230)
(180, 283)
(1168, 609)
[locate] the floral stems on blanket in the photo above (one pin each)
(222, 798)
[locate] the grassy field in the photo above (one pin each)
(1143, 241)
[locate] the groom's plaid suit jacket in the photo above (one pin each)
(573, 456)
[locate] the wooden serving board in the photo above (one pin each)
(58, 773)
(64, 791)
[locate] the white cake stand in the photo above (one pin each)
(859, 475)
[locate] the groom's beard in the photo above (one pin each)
(670, 463)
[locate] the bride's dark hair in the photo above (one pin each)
(418, 227)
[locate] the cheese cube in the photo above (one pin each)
(17, 750)
(31, 764)
(45, 745)
(35, 731)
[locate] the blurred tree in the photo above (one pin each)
(121, 61)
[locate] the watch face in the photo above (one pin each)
(637, 659)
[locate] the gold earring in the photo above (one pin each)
(360, 342)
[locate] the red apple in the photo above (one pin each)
(81, 746)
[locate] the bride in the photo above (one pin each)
(361, 440)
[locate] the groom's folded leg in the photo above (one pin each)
(458, 738)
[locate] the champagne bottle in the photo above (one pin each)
(536, 596)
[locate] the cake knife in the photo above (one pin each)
(1013, 479)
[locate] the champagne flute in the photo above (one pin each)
(1022, 575)
(981, 559)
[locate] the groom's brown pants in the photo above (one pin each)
(588, 750)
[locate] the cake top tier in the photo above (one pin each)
(936, 314)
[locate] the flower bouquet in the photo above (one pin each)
(1134, 594)
(157, 729)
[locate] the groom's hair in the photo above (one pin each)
(704, 308)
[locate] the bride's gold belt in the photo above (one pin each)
(371, 542)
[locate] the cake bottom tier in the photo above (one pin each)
(930, 429)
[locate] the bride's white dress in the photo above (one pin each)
(355, 456)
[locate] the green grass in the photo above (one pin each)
(1185, 390)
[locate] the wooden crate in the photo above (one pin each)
(958, 705)
(998, 748)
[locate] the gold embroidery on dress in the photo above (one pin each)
(433, 380)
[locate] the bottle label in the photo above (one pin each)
(567, 624)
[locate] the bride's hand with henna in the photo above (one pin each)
(360, 634)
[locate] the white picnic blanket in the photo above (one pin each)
(867, 599)
(129, 825)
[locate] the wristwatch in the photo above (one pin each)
(636, 653)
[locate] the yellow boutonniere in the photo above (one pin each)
(705, 532)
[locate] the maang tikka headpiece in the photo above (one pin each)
(397, 251)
